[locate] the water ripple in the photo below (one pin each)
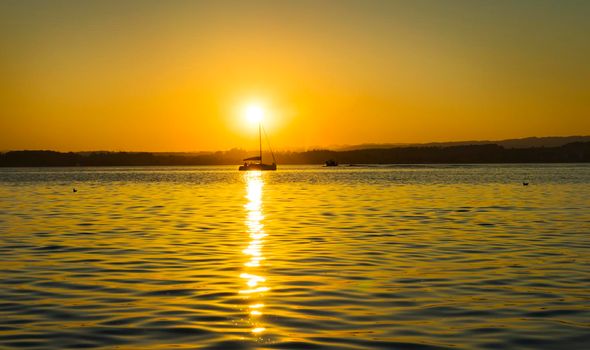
(428, 257)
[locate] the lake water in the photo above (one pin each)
(401, 257)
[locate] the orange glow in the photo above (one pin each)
(176, 76)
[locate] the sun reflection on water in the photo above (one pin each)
(254, 283)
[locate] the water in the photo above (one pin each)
(421, 257)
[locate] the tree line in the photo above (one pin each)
(487, 153)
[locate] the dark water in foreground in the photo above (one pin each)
(426, 257)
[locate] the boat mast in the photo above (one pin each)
(260, 142)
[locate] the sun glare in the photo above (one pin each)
(254, 113)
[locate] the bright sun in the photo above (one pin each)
(254, 113)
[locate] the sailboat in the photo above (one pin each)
(255, 163)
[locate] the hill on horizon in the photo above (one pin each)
(575, 152)
(526, 142)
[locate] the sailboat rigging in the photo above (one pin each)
(251, 164)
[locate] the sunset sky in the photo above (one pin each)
(178, 75)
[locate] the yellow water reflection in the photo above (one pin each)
(255, 284)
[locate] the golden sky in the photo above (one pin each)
(177, 75)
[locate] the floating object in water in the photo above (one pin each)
(74, 190)
(259, 166)
(525, 183)
(331, 162)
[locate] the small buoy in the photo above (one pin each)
(74, 190)
(525, 183)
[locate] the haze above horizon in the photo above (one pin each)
(176, 76)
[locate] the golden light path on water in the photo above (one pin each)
(402, 257)
(255, 286)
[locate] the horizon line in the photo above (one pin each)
(315, 148)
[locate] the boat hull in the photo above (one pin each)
(257, 167)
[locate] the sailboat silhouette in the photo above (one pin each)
(255, 163)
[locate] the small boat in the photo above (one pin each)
(256, 166)
(331, 162)
(255, 163)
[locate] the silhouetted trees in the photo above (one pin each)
(487, 153)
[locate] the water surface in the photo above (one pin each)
(399, 257)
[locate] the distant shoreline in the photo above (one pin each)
(576, 152)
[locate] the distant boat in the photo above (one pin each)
(331, 162)
(255, 163)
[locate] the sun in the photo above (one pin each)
(254, 113)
